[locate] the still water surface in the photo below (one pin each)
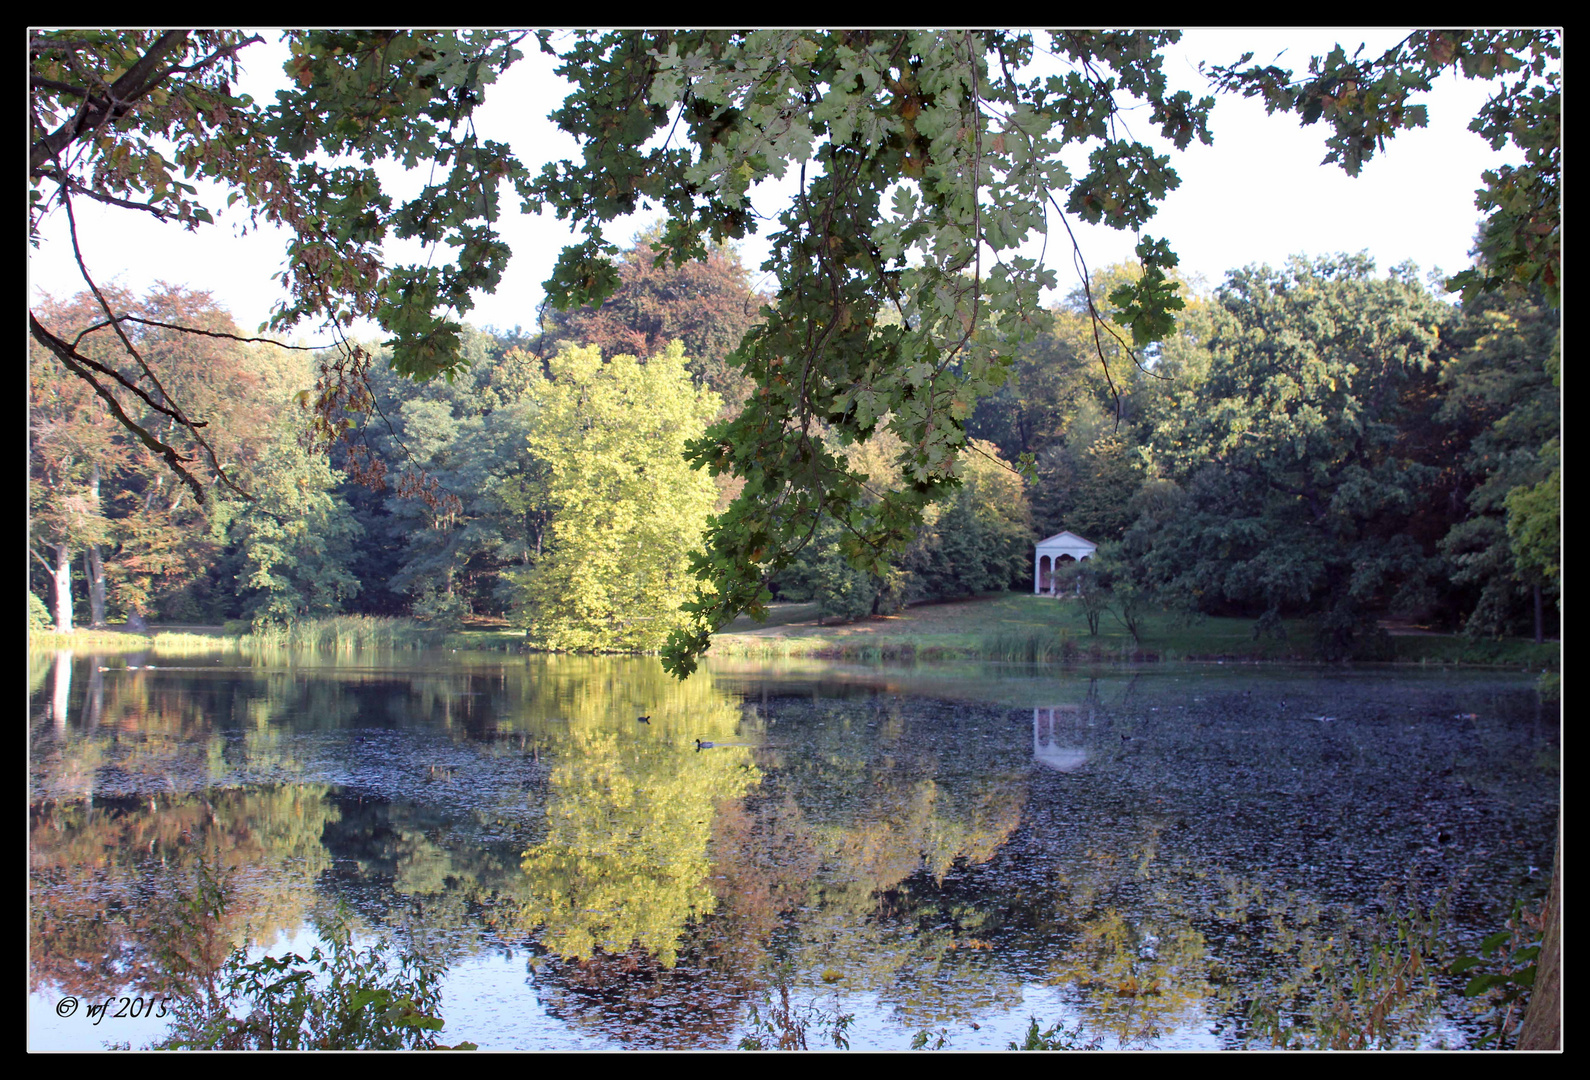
(1146, 852)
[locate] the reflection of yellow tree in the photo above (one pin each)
(899, 818)
(625, 858)
(629, 814)
(1139, 977)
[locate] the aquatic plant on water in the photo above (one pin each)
(340, 997)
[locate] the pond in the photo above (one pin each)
(1161, 856)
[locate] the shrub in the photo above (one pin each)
(340, 998)
(38, 615)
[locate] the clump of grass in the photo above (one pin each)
(346, 633)
(746, 648)
(1045, 646)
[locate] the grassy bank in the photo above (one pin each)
(339, 633)
(1008, 627)
(1025, 628)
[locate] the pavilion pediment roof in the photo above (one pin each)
(1067, 539)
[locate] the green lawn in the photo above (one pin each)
(1018, 626)
(1000, 626)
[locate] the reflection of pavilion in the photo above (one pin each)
(1056, 740)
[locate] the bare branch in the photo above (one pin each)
(70, 358)
(195, 330)
(174, 411)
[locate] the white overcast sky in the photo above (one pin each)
(1258, 195)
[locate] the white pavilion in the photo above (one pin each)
(1059, 548)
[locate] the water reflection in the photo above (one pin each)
(1056, 740)
(929, 846)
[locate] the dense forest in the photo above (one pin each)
(1316, 440)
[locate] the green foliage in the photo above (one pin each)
(1296, 483)
(346, 998)
(1368, 101)
(296, 539)
(625, 509)
(1501, 399)
(1128, 601)
(1534, 523)
(1055, 1037)
(1089, 584)
(136, 67)
(979, 539)
(440, 548)
(781, 1025)
(1146, 304)
(38, 614)
(1512, 956)
(338, 998)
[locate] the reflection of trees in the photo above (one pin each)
(101, 876)
(1139, 976)
(849, 813)
(903, 848)
(892, 800)
(625, 856)
(40, 664)
(762, 865)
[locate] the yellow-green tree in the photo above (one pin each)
(626, 508)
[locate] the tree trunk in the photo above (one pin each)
(94, 566)
(1540, 619)
(61, 578)
(1543, 1020)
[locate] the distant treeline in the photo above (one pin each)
(1316, 440)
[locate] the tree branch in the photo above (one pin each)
(70, 358)
(124, 92)
(193, 330)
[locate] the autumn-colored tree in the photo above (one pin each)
(165, 542)
(154, 543)
(708, 305)
(74, 449)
